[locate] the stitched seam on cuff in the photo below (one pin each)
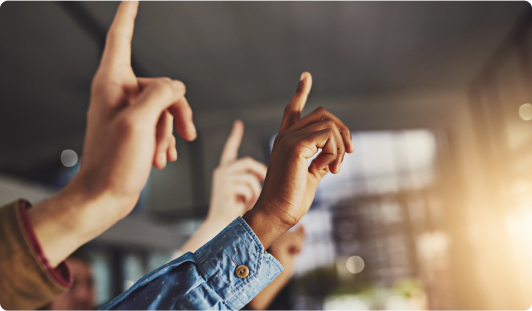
(35, 250)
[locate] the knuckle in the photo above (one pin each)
(329, 123)
(163, 84)
(179, 85)
(321, 110)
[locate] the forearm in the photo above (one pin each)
(206, 232)
(70, 219)
(206, 279)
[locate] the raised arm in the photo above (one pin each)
(235, 189)
(129, 129)
(290, 184)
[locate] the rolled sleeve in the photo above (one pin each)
(236, 245)
(26, 279)
(207, 278)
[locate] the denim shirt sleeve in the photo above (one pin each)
(206, 279)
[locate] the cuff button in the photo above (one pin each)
(242, 271)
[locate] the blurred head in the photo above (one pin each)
(81, 295)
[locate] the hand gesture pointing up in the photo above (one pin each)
(291, 183)
(235, 182)
(130, 119)
(129, 129)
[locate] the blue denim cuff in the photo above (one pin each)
(236, 245)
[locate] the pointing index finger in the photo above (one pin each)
(292, 112)
(117, 50)
(230, 152)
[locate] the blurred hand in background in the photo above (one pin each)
(235, 189)
(284, 249)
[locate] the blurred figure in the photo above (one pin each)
(81, 295)
(284, 249)
(235, 190)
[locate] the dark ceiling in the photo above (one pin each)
(231, 55)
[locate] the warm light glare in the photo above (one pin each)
(69, 158)
(355, 264)
(525, 112)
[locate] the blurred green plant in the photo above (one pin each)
(407, 288)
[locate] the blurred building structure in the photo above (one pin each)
(500, 102)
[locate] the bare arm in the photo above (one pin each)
(235, 189)
(129, 129)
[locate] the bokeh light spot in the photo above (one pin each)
(525, 112)
(69, 158)
(355, 264)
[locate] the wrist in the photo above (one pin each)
(266, 226)
(70, 219)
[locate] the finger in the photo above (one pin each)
(230, 152)
(117, 51)
(159, 94)
(250, 180)
(292, 112)
(320, 114)
(183, 119)
(323, 139)
(172, 151)
(330, 124)
(243, 191)
(163, 140)
(249, 165)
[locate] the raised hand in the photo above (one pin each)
(129, 129)
(235, 189)
(235, 182)
(290, 184)
(129, 124)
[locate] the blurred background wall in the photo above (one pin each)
(432, 211)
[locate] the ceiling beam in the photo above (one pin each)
(96, 31)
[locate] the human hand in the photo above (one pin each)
(235, 182)
(286, 247)
(290, 184)
(129, 129)
(129, 122)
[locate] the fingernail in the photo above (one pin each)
(302, 76)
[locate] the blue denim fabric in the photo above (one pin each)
(206, 279)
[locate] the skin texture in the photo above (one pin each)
(81, 296)
(129, 129)
(284, 249)
(235, 189)
(290, 183)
